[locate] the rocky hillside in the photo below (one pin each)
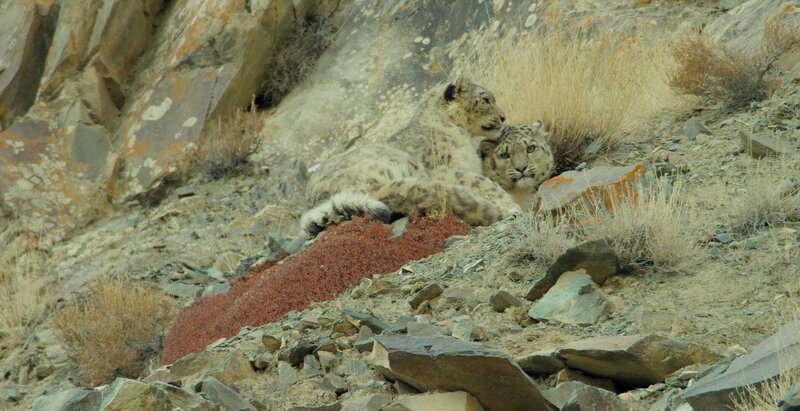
(153, 162)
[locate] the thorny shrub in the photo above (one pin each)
(114, 331)
(223, 149)
(713, 70)
(294, 59)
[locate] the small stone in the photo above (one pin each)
(368, 402)
(694, 126)
(294, 355)
(458, 298)
(263, 361)
(271, 343)
(399, 227)
(379, 287)
(423, 329)
(345, 328)
(164, 376)
(326, 344)
(334, 383)
(502, 300)
(70, 400)
(464, 330)
(514, 276)
(575, 299)
(185, 191)
(222, 395)
(226, 366)
(311, 366)
(427, 293)
(327, 360)
(287, 375)
(359, 319)
(444, 401)
(541, 363)
(723, 238)
(452, 240)
(568, 375)
(595, 257)
(364, 339)
(592, 398)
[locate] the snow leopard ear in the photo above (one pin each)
(450, 92)
(454, 88)
(488, 145)
(540, 125)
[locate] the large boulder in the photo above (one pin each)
(449, 364)
(24, 39)
(776, 355)
(633, 361)
(602, 185)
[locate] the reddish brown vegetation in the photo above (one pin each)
(342, 256)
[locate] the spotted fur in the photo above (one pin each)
(426, 167)
(519, 160)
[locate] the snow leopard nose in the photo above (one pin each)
(521, 169)
(502, 118)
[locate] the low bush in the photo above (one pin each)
(114, 331)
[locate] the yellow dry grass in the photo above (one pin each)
(22, 269)
(223, 149)
(114, 331)
(711, 69)
(651, 227)
(585, 91)
(765, 202)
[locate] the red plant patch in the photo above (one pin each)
(343, 255)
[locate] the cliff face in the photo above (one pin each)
(102, 102)
(108, 97)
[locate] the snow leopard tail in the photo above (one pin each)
(342, 207)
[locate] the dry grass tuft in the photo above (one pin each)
(224, 148)
(114, 331)
(545, 239)
(765, 397)
(295, 59)
(711, 69)
(22, 269)
(764, 203)
(647, 228)
(585, 91)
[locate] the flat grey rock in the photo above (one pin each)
(449, 364)
(777, 354)
(575, 299)
(635, 360)
(595, 257)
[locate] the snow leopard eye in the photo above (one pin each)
(531, 148)
(504, 155)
